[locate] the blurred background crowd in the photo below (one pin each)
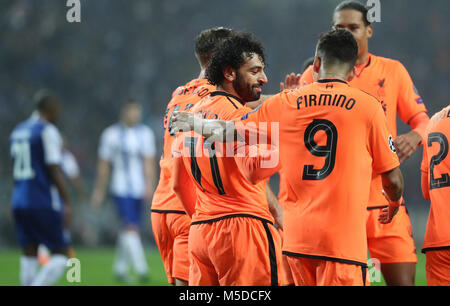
(143, 49)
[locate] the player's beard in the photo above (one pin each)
(247, 92)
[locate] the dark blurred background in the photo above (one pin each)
(144, 49)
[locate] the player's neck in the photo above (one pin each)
(362, 59)
(228, 88)
(333, 75)
(202, 74)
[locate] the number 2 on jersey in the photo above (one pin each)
(20, 151)
(328, 151)
(444, 180)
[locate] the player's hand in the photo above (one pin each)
(388, 213)
(407, 144)
(181, 122)
(291, 81)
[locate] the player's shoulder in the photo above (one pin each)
(111, 131)
(389, 63)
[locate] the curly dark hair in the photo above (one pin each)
(233, 52)
(207, 40)
(338, 47)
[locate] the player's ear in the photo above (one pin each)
(317, 63)
(352, 74)
(369, 30)
(229, 74)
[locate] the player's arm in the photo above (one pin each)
(407, 144)
(52, 143)
(101, 183)
(150, 177)
(229, 131)
(183, 186)
(425, 178)
(393, 186)
(274, 206)
(57, 177)
(411, 110)
(149, 152)
(385, 162)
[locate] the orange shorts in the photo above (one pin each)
(171, 232)
(320, 272)
(234, 251)
(286, 275)
(393, 242)
(438, 267)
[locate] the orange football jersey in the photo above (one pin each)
(436, 168)
(331, 137)
(388, 81)
(221, 188)
(183, 98)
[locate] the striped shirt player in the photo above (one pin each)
(127, 149)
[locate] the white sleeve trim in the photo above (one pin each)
(52, 143)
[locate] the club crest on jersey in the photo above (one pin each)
(381, 92)
(391, 144)
(419, 99)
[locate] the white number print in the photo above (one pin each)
(20, 150)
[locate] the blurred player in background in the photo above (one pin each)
(169, 220)
(436, 187)
(128, 147)
(328, 132)
(232, 239)
(388, 81)
(40, 203)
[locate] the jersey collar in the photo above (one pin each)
(331, 80)
(226, 94)
(360, 68)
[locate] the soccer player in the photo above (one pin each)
(388, 81)
(330, 136)
(436, 187)
(128, 147)
(232, 239)
(40, 204)
(170, 223)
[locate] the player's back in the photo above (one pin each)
(330, 137)
(32, 185)
(388, 81)
(222, 189)
(436, 163)
(183, 98)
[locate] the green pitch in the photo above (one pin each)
(96, 269)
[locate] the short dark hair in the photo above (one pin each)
(233, 52)
(207, 40)
(44, 99)
(337, 47)
(354, 5)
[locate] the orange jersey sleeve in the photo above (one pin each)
(381, 145)
(409, 101)
(183, 98)
(436, 168)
